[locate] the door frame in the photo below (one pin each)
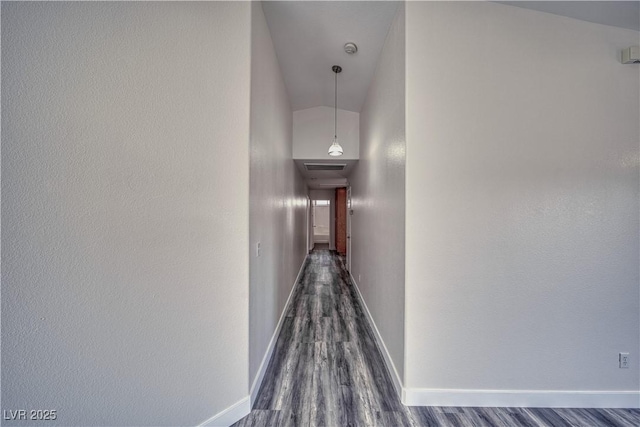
(341, 220)
(309, 225)
(349, 214)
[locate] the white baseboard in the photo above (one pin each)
(230, 415)
(437, 397)
(397, 382)
(257, 382)
(521, 398)
(242, 408)
(499, 398)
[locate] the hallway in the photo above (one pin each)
(160, 165)
(326, 370)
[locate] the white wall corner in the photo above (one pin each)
(231, 415)
(257, 382)
(397, 381)
(521, 398)
(243, 407)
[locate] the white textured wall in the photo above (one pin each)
(522, 201)
(378, 197)
(313, 133)
(125, 269)
(277, 194)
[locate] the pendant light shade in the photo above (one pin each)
(335, 149)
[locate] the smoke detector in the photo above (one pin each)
(350, 48)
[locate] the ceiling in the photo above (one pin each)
(624, 14)
(309, 37)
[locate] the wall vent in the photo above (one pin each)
(325, 166)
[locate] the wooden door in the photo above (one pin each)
(341, 220)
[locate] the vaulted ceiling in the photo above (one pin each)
(309, 37)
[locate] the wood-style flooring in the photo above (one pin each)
(326, 370)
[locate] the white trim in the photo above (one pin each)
(242, 408)
(397, 382)
(231, 415)
(498, 398)
(257, 382)
(521, 398)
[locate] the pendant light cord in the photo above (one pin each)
(335, 104)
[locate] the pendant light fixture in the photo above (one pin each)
(335, 149)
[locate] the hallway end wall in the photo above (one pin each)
(378, 197)
(331, 196)
(522, 207)
(277, 197)
(311, 127)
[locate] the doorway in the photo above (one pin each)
(341, 220)
(321, 223)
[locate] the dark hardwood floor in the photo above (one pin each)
(326, 370)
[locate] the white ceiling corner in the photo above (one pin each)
(623, 14)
